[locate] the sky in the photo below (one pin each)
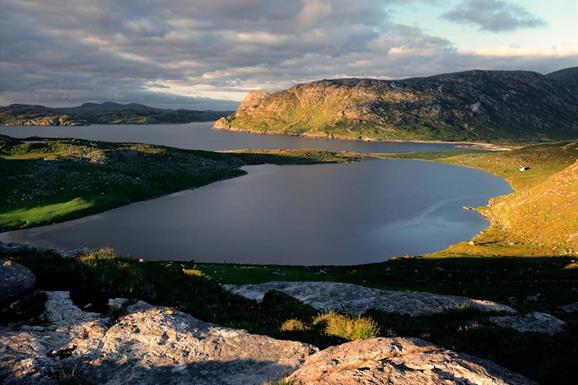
(207, 54)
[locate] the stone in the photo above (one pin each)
(15, 281)
(399, 361)
(570, 308)
(354, 299)
(24, 360)
(149, 345)
(535, 322)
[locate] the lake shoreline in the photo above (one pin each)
(501, 146)
(445, 210)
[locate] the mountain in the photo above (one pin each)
(568, 77)
(471, 106)
(104, 113)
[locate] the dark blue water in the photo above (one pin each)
(302, 215)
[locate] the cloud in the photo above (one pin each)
(493, 15)
(183, 54)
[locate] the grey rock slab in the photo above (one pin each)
(535, 322)
(354, 299)
(24, 359)
(399, 361)
(570, 308)
(161, 344)
(149, 345)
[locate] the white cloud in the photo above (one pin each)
(174, 51)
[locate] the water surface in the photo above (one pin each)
(299, 215)
(200, 136)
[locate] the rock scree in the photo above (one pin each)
(354, 299)
(400, 361)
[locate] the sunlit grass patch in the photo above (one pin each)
(194, 272)
(339, 325)
(292, 325)
(26, 217)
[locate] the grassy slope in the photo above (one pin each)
(540, 218)
(49, 181)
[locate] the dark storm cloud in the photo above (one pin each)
(493, 15)
(180, 52)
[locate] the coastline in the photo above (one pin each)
(506, 146)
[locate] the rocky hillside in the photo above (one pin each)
(105, 113)
(474, 106)
(567, 77)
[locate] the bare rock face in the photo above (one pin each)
(161, 343)
(535, 322)
(354, 299)
(149, 345)
(15, 281)
(399, 361)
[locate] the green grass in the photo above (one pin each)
(53, 180)
(25, 217)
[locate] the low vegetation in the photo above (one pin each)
(339, 325)
(52, 180)
(530, 284)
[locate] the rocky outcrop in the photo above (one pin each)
(15, 281)
(154, 345)
(472, 105)
(149, 345)
(399, 361)
(355, 299)
(535, 322)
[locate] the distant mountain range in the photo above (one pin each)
(465, 106)
(103, 113)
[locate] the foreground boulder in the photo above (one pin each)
(149, 345)
(399, 361)
(15, 281)
(354, 299)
